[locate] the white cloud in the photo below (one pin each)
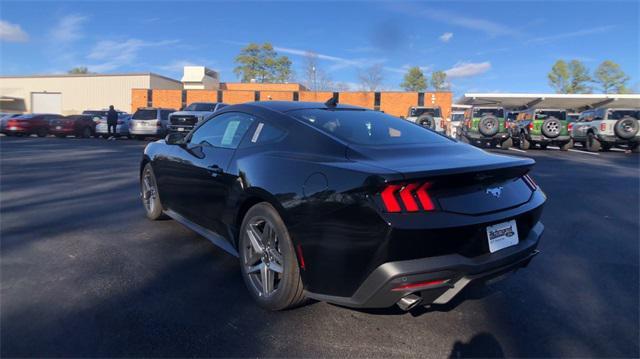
(115, 54)
(567, 35)
(68, 28)
(12, 32)
(446, 36)
(468, 69)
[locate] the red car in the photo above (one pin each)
(30, 124)
(76, 125)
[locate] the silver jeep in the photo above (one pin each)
(603, 128)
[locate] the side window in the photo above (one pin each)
(598, 114)
(225, 130)
(264, 133)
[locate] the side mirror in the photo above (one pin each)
(175, 139)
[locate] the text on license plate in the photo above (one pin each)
(502, 235)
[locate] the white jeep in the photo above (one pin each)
(603, 128)
(430, 117)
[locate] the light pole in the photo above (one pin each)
(315, 85)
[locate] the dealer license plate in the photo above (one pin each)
(502, 235)
(58, 127)
(180, 129)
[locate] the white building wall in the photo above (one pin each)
(80, 92)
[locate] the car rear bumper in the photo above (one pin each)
(617, 140)
(443, 276)
(480, 137)
(544, 139)
(146, 131)
(120, 129)
(14, 129)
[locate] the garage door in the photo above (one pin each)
(46, 102)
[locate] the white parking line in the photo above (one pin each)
(518, 150)
(588, 153)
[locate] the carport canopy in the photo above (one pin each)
(574, 102)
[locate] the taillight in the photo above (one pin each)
(414, 286)
(603, 126)
(531, 125)
(407, 194)
(570, 127)
(530, 182)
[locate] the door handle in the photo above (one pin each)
(215, 170)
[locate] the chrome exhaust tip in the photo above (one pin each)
(408, 302)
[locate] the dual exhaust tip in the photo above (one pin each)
(409, 302)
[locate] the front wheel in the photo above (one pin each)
(505, 145)
(150, 195)
(523, 143)
(268, 260)
(567, 146)
(41, 132)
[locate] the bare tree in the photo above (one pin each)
(315, 78)
(371, 78)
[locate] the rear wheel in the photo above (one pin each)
(567, 146)
(605, 146)
(543, 146)
(593, 145)
(86, 132)
(41, 132)
(149, 193)
(268, 260)
(505, 145)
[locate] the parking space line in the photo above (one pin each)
(588, 153)
(516, 149)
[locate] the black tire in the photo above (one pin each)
(149, 194)
(286, 289)
(42, 132)
(426, 121)
(523, 143)
(626, 127)
(489, 125)
(139, 137)
(605, 146)
(566, 146)
(104, 136)
(86, 132)
(543, 146)
(551, 127)
(59, 135)
(505, 145)
(635, 148)
(593, 144)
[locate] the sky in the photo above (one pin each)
(497, 46)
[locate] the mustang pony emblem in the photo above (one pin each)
(496, 191)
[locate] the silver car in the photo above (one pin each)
(603, 128)
(100, 118)
(150, 122)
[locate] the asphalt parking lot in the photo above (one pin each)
(83, 273)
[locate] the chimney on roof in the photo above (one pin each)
(200, 78)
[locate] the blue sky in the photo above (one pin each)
(499, 46)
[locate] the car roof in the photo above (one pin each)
(285, 106)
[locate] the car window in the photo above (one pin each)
(417, 112)
(201, 106)
(266, 133)
(479, 112)
(164, 115)
(366, 127)
(619, 114)
(225, 130)
(145, 115)
(543, 115)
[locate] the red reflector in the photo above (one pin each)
(570, 127)
(603, 126)
(406, 194)
(531, 125)
(430, 283)
(300, 257)
(389, 198)
(424, 198)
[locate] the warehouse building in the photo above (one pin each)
(74, 93)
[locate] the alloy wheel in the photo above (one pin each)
(149, 191)
(262, 257)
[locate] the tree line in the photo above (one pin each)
(574, 77)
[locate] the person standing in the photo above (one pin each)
(112, 122)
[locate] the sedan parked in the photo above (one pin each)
(5, 117)
(74, 125)
(25, 125)
(344, 204)
(100, 118)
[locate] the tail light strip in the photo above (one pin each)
(407, 194)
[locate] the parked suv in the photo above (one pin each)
(190, 116)
(457, 118)
(485, 126)
(100, 118)
(429, 117)
(76, 125)
(603, 128)
(38, 124)
(150, 122)
(542, 127)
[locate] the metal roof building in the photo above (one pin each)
(74, 93)
(576, 102)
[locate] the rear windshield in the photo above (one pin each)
(457, 117)
(367, 127)
(619, 114)
(146, 115)
(416, 112)
(95, 113)
(573, 117)
(543, 115)
(479, 112)
(201, 107)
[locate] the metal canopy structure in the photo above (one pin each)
(576, 102)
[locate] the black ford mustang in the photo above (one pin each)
(344, 204)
